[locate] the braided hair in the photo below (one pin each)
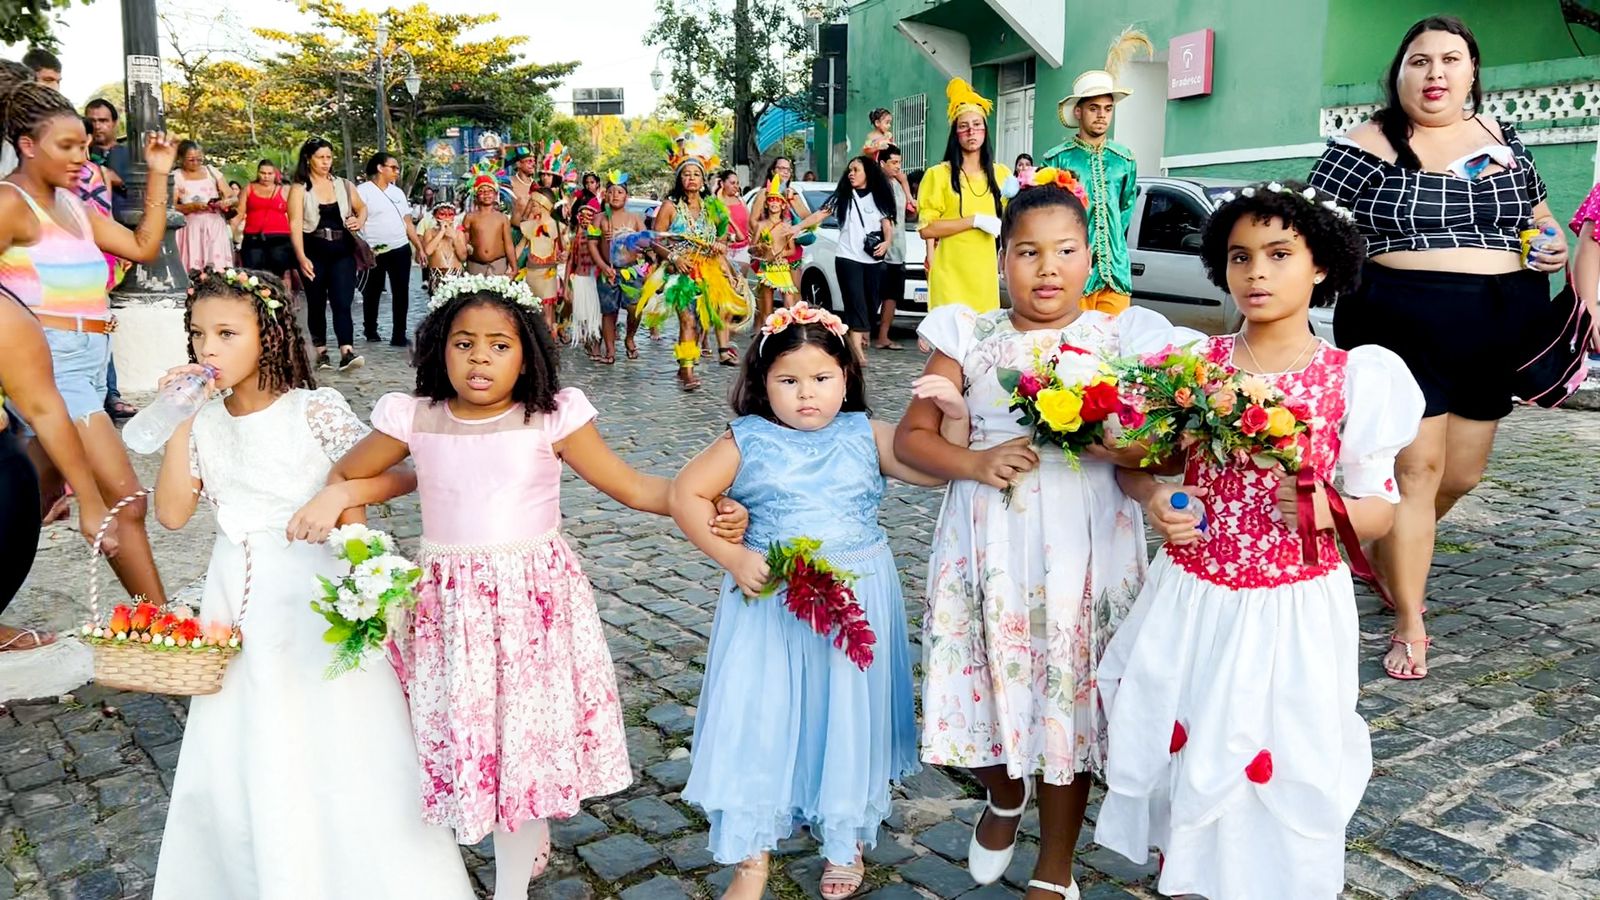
(25, 107)
(284, 363)
(540, 377)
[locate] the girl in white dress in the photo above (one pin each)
(1024, 594)
(289, 786)
(1235, 745)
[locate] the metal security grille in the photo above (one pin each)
(911, 130)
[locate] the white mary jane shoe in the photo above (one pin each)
(985, 865)
(1070, 892)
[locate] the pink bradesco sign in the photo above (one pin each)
(1189, 64)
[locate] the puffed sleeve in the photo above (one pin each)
(933, 194)
(1344, 170)
(1383, 409)
(333, 424)
(573, 411)
(1588, 211)
(949, 329)
(1141, 330)
(394, 415)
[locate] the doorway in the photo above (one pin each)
(1141, 121)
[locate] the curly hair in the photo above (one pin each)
(1336, 246)
(536, 385)
(284, 363)
(749, 394)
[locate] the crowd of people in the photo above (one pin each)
(1213, 690)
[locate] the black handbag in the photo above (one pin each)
(871, 241)
(1556, 352)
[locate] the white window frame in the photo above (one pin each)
(911, 130)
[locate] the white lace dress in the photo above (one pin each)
(290, 786)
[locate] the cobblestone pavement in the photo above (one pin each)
(1485, 780)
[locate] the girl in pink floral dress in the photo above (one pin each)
(1230, 691)
(513, 700)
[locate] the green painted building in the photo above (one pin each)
(1285, 77)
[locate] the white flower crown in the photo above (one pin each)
(449, 288)
(1308, 194)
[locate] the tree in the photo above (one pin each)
(734, 56)
(29, 21)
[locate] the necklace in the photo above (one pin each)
(1292, 367)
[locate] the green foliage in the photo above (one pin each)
(29, 21)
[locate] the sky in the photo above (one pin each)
(91, 38)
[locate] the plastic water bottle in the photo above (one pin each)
(1182, 502)
(148, 431)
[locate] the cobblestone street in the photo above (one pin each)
(1485, 778)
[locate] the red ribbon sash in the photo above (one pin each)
(1306, 506)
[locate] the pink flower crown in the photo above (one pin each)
(802, 313)
(1061, 178)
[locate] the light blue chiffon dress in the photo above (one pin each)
(789, 731)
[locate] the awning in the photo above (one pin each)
(789, 116)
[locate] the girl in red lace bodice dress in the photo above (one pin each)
(1230, 690)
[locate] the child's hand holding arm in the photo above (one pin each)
(955, 426)
(369, 473)
(595, 462)
(692, 492)
(920, 443)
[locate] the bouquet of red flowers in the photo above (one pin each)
(820, 596)
(1188, 402)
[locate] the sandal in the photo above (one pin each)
(35, 640)
(889, 346)
(1413, 675)
(730, 356)
(688, 381)
(985, 865)
(845, 881)
(632, 348)
(60, 509)
(606, 360)
(1070, 892)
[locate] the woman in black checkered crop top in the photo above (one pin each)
(1442, 196)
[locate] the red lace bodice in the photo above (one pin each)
(1248, 544)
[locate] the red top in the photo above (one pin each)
(267, 215)
(740, 214)
(1249, 545)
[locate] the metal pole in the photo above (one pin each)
(344, 128)
(829, 156)
(383, 107)
(141, 45)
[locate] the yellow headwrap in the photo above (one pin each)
(963, 99)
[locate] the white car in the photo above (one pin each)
(819, 284)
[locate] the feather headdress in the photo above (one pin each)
(696, 145)
(1125, 47)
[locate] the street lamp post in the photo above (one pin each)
(380, 65)
(141, 46)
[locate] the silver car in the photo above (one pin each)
(1164, 250)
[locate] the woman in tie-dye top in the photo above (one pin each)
(51, 262)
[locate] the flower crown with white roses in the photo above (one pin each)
(802, 313)
(240, 280)
(1309, 194)
(449, 288)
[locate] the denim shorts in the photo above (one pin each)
(611, 298)
(80, 360)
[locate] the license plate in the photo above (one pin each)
(917, 294)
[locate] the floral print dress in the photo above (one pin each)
(1024, 595)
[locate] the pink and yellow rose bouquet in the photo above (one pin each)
(1187, 402)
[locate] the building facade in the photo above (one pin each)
(1284, 78)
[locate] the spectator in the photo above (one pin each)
(811, 175)
(45, 65)
(264, 222)
(202, 196)
(324, 213)
(1586, 268)
(892, 285)
(392, 233)
(106, 151)
(1441, 196)
(1023, 167)
(863, 204)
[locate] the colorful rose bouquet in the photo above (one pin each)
(820, 596)
(1188, 402)
(375, 584)
(160, 628)
(1065, 397)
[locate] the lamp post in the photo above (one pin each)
(655, 74)
(380, 64)
(141, 46)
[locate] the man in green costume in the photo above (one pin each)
(1107, 170)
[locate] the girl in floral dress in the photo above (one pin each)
(513, 701)
(1024, 593)
(1235, 745)
(289, 786)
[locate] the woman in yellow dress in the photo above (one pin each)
(965, 223)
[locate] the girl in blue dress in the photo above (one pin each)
(791, 729)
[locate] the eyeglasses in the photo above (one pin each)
(971, 128)
(394, 166)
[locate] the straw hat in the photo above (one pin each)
(1093, 83)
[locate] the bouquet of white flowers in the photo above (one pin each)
(358, 604)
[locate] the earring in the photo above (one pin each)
(1317, 280)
